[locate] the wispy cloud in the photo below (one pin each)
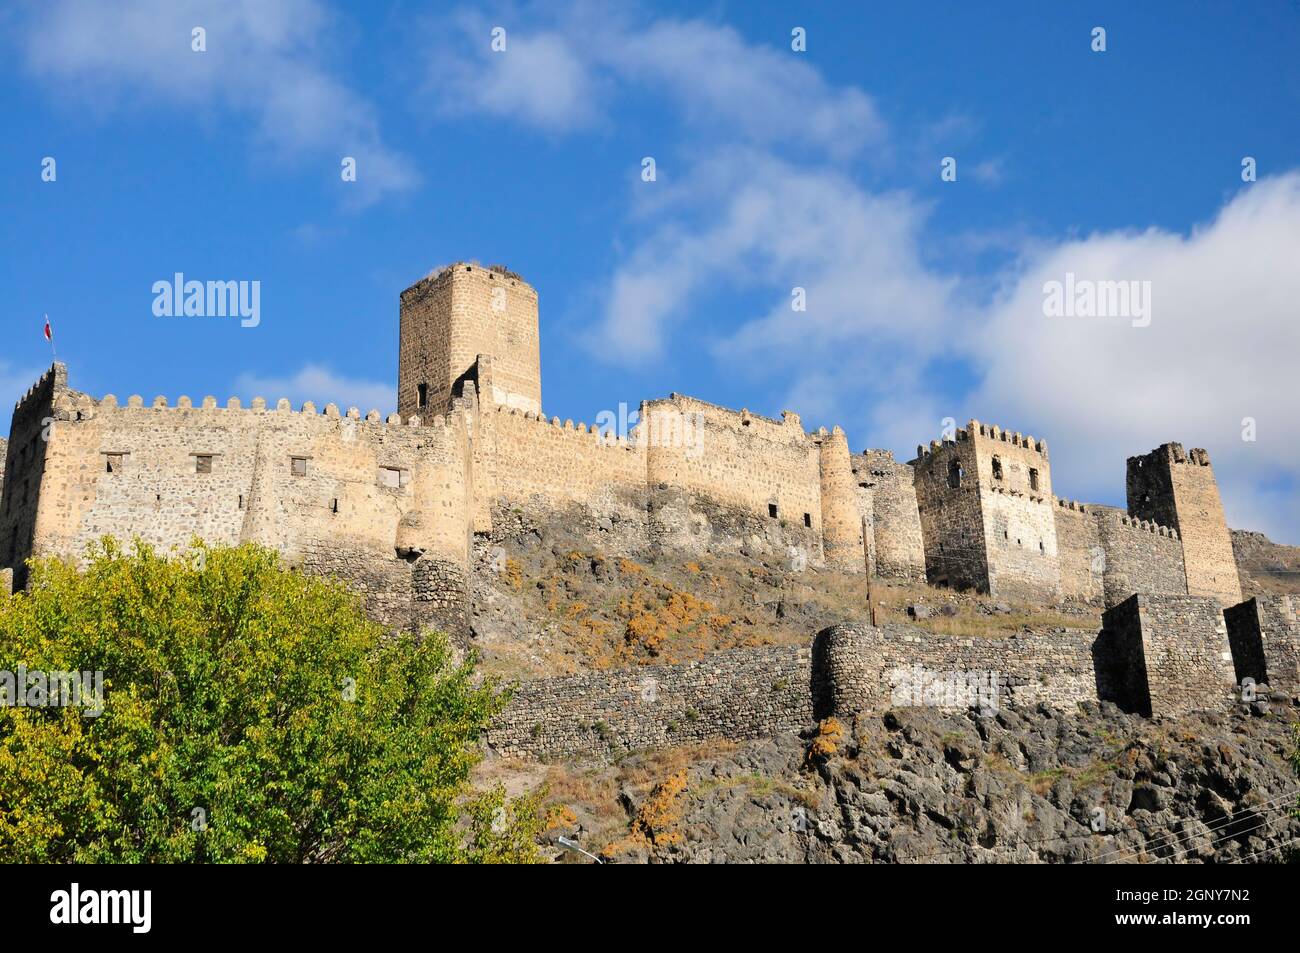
(564, 70)
(265, 61)
(322, 386)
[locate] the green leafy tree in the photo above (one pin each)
(251, 714)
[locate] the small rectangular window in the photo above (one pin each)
(1033, 479)
(422, 395)
(771, 510)
(807, 519)
(202, 463)
(298, 466)
(114, 462)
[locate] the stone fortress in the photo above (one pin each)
(398, 507)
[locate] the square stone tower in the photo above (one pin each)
(987, 517)
(450, 318)
(1174, 488)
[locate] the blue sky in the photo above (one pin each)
(776, 169)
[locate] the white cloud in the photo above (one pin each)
(988, 172)
(539, 79)
(562, 74)
(1222, 345)
(265, 60)
(876, 316)
(321, 386)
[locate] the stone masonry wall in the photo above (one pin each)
(898, 550)
(1174, 488)
(952, 522)
(1264, 633)
(25, 473)
(737, 694)
(742, 460)
(871, 669)
(1161, 655)
(1079, 550)
(531, 456)
(362, 499)
(1016, 502)
(1174, 650)
(451, 317)
(1140, 557)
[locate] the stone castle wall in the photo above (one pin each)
(1172, 654)
(529, 456)
(897, 549)
(737, 694)
(1140, 557)
(949, 504)
(362, 499)
(453, 316)
(974, 511)
(743, 461)
(21, 534)
(1264, 633)
(1079, 551)
(1172, 488)
(1155, 655)
(1015, 481)
(870, 669)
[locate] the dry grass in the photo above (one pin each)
(594, 612)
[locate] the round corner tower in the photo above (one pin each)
(449, 320)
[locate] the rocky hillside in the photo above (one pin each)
(912, 785)
(928, 786)
(1266, 567)
(552, 602)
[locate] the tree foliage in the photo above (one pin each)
(251, 714)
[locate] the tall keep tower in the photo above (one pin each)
(987, 521)
(451, 318)
(1178, 489)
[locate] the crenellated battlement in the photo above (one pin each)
(1121, 518)
(56, 378)
(1174, 454)
(83, 407)
(609, 441)
(470, 441)
(1003, 435)
(442, 274)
